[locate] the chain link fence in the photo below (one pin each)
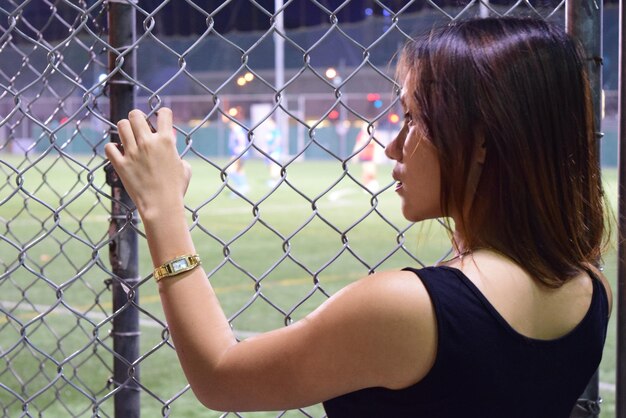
(284, 129)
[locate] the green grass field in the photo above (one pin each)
(57, 223)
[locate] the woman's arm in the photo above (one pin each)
(379, 331)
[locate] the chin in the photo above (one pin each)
(418, 216)
(412, 217)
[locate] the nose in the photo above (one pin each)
(393, 150)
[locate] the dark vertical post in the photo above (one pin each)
(620, 395)
(584, 21)
(123, 247)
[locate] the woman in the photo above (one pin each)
(499, 137)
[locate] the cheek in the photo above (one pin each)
(423, 201)
(423, 159)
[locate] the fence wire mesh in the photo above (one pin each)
(290, 198)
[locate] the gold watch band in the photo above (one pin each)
(176, 266)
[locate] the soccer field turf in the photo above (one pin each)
(332, 231)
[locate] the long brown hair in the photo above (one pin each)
(519, 88)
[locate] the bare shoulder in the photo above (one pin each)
(399, 286)
(391, 314)
(388, 295)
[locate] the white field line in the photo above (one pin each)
(333, 201)
(608, 387)
(335, 195)
(30, 313)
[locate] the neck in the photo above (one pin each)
(458, 244)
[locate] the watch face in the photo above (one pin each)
(180, 264)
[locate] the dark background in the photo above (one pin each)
(181, 18)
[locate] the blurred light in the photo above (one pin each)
(233, 111)
(386, 12)
(331, 73)
(101, 84)
(199, 122)
(334, 114)
(394, 118)
(248, 76)
(378, 104)
(241, 81)
(369, 11)
(372, 97)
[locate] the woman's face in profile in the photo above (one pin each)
(416, 172)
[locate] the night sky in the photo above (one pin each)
(180, 18)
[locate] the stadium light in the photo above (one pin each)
(331, 73)
(393, 118)
(241, 81)
(233, 111)
(248, 77)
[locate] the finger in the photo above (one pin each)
(113, 153)
(187, 170)
(139, 125)
(127, 136)
(164, 120)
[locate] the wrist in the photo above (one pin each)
(166, 211)
(167, 233)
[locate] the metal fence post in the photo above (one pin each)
(584, 21)
(620, 394)
(123, 247)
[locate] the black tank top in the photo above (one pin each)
(484, 368)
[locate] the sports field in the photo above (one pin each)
(272, 256)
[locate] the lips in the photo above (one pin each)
(396, 177)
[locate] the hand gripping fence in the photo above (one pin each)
(284, 124)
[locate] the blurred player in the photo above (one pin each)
(273, 148)
(237, 142)
(365, 147)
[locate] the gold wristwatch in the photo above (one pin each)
(176, 266)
